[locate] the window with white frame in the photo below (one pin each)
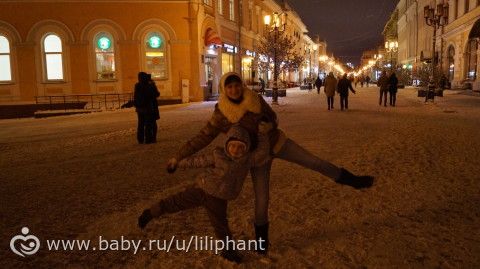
(155, 55)
(231, 10)
(5, 62)
(220, 6)
(53, 57)
(104, 56)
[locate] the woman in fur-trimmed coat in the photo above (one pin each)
(238, 104)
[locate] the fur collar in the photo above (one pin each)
(234, 112)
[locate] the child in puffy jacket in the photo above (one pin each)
(226, 170)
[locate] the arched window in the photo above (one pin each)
(451, 62)
(472, 48)
(104, 56)
(5, 63)
(155, 55)
(53, 57)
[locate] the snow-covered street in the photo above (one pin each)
(85, 176)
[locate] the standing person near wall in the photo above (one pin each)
(145, 101)
(156, 111)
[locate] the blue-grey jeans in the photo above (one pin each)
(291, 152)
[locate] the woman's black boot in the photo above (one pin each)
(261, 232)
(358, 182)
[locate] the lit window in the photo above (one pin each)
(104, 56)
(53, 57)
(231, 9)
(5, 65)
(220, 7)
(155, 58)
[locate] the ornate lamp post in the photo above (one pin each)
(274, 24)
(435, 18)
(391, 47)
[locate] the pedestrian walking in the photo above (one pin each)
(383, 83)
(330, 87)
(262, 85)
(367, 80)
(344, 85)
(444, 82)
(392, 88)
(318, 84)
(362, 81)
(145, 101)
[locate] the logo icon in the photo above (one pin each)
(29, 244)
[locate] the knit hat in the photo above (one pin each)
(238, 133)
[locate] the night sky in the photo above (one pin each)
(348, 26)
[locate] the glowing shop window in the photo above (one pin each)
(104, 56)
(155, 56)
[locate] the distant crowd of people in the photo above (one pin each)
(343, 85)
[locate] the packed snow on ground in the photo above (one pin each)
(84, 176)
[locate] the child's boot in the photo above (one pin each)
(145, 218)
(231, 255)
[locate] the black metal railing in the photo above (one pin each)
(86, 101)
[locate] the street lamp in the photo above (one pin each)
(391, 47)
(435, 18)
(274, 24)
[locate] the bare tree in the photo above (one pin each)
(279, 49)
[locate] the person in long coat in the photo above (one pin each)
(330, 87)
(393, 88)
(145, 101)
(318, 84)
(383, 84)
(156, 111)
(344, 85)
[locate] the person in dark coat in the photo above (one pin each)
(344, 85)
(318, 84)
(330, 87)
(145, 101)
(444, 82)
(383, 82)
(262, 85)
(392, 88)
(367, 80)
(156, 111)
